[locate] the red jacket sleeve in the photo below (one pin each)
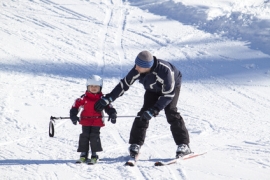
(78, 102)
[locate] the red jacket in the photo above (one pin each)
(87, 102)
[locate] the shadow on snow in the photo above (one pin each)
(29, 162)
(12, 162)
(192, 69)
(236, 25)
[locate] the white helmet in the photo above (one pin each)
(94, 80)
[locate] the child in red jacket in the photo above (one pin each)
(90, 119)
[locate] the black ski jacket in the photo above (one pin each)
(162, 79)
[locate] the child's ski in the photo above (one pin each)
(92, 161)
(88, 162)
(81, 160)
(174, 160)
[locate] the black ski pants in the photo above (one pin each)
(90, 134)
(178, 128)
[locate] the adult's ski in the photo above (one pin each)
(132, 161)
(174, 160)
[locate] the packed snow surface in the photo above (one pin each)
(48, 48)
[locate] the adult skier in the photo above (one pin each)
(162, 83)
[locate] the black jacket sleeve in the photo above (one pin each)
(124, 84)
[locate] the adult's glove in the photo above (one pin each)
(102, 103)
(147, 115)
(73, 115)
(112, 115)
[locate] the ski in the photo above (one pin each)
(174, 160)
(132, 161)
(91, 162)
(80, 161)
(87, 161)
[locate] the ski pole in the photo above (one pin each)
(52, 121)
(57, 118)
(60, 118)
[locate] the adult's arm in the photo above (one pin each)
(124, 84)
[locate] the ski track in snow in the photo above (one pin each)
(50, 47)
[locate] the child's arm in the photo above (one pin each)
(73, 115)
(75, 110)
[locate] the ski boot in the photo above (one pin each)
(93, 160)
(134, 150)
(83, 158)
(182, 150)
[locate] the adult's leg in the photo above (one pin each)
(178, 128)
(138, 130)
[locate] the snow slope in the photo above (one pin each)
(49, 47)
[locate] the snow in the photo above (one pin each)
(49, 47)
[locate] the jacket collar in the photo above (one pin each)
(154, 65)
(89, 94)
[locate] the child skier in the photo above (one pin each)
(90, 119)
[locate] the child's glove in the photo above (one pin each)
(73, 115)
(112, 115)
(75, 119)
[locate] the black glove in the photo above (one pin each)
(102, 103)
(112, 115)
(73, 115)
(147, 115)
(75, 119)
